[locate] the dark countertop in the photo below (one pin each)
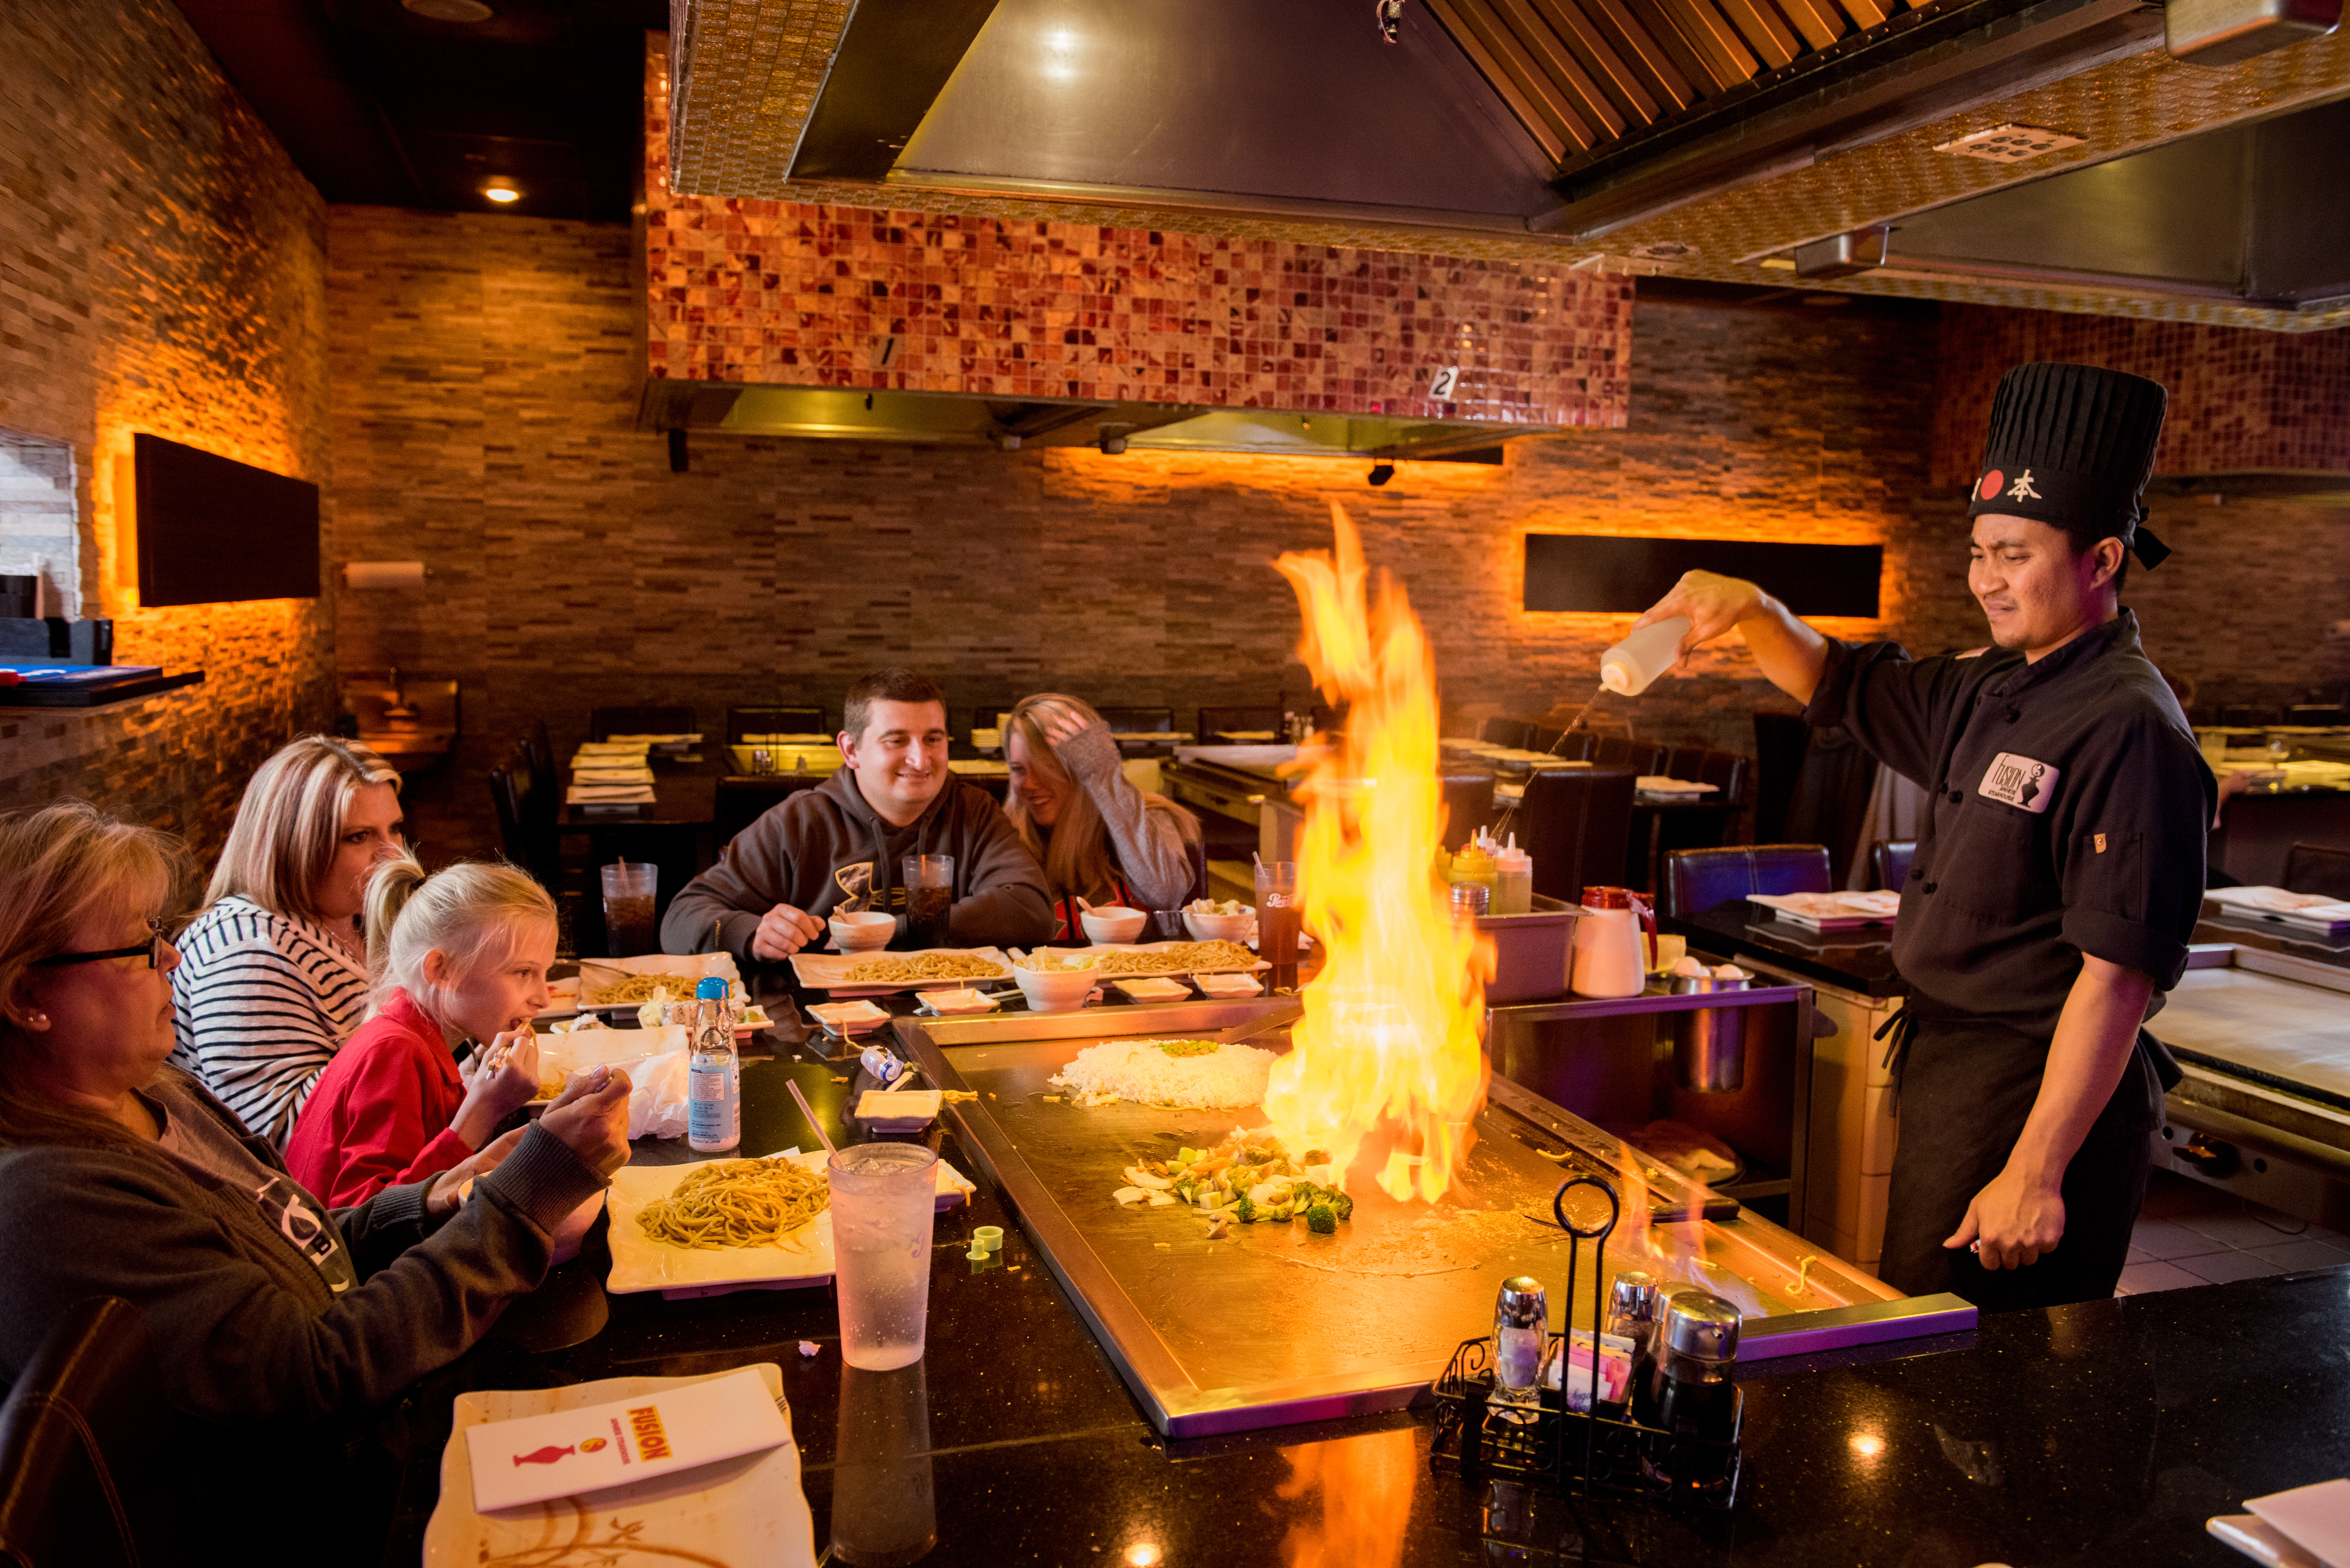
(1859, 960)
(2221, 924)
(2091, 1434)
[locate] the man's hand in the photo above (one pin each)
(2011, 1222)
(446, 1191)
(1713, 603)
(591, 1117)
(782, 931)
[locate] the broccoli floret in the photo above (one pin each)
(1341, 1205)
(1244, 1211)
(1322, 1219)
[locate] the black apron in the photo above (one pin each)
(1965, 1088)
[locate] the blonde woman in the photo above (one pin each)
(273, 976)
(281, 1328)
(459, 956)
(1096, 835)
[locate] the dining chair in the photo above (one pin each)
(1891, 858)
(743, 800)
(88, 1474)
(1518, 734)
(541, 748)
(741, 721)
(1697, 880)
(1218, 722)
(1685, 763)
(1623, 752)
(1575, 823)
(603, 724)
(1579, 747)
(1468, 803)
(2317, 869)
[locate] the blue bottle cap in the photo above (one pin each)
(711, 988)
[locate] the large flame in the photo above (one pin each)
(1390, 1050)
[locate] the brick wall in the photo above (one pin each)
(162, 269)
(483, 405)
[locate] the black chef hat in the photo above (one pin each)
(2073, 446)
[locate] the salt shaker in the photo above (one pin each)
(1632, 1303)
(1521, 1334)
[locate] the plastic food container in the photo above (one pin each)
(1531, 952)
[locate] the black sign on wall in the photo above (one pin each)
(1613, 575)
(213, 530)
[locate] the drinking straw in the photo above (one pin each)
(808, 1111)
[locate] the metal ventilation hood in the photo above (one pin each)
(942, 419)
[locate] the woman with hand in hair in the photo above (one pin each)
(1097, 836)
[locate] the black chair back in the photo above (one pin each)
(1891, 858)
(2330, 714)
(1579, 747)
(1217, 723)
(1517, 733)
(1138, 721)
(1685, 761)
(540, 750)
(741, 801)
(603, 724)
(1830, 801)
(1780, 742)
(507, 794)
(1698, 879)
(1468, 803)
(88, 1474)
(741, 721)
(1725, 769)
(1622, 751)
(1576, 822)
(2317, 869)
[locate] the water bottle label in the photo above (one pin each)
(708, 1083)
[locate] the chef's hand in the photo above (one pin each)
(2011, 1222)
(782, 931)
(591, 1117)
(1058, 720)
(1713, 603)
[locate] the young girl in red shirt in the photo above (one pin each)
(457, 957)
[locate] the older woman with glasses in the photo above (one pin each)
(276, 977)
(281, 1327)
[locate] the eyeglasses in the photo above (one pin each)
(153, 949)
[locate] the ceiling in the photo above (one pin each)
(379, 104)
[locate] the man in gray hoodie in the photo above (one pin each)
(767, 897)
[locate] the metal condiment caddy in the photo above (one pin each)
(1571, 1452)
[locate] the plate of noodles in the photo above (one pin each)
(721, 1225)
(627, 983)
(871, 973)
(1129, 960)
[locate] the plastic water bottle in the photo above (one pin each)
(714, 1107)
(1631, 666)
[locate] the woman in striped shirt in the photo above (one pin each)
(273, 976)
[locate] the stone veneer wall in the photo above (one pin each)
(483, 422)
(162, 269)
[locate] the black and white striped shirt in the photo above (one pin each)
(260, 1003)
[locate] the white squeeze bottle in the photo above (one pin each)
(713, 1104)
(1629, 668)
(1513, 880)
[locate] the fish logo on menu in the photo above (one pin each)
(2020, 782)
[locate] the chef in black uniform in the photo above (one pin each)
(2060, 867)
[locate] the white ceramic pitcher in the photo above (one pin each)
(1611, 958)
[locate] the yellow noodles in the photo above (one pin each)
(642, 988)
(1182, 956)
(736, 1203)
(921, 966)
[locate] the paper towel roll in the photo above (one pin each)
(384, 574)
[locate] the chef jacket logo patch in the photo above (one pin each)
(2019, 782)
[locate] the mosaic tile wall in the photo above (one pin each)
(743, 289)
(2240, 398)
(168, 277)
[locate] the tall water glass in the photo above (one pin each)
(1278, 922)
(883, 1195)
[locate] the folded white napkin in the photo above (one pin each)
(594, 794)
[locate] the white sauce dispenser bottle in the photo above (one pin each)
(1631, 666)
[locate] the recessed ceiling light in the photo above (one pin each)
(451, 10)
(501, 189)
(2008, 144)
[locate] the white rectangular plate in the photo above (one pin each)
(563, 995)
(829, 971)
(641, 1263)
(750, 1509)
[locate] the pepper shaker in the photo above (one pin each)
(1691, 1392)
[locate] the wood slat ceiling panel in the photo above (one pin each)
(1579, 74)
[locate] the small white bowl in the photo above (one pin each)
(1114, 923)
(1055, 990)
(1219, 927)
(863, 931)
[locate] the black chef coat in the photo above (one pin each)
(2067, 814)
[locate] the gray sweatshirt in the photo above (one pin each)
(1150, 846)
(790, 856)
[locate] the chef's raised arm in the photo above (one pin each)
(1793, 656)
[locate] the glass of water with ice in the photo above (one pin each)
(883, 1197)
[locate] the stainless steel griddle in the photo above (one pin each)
(1275, 1325)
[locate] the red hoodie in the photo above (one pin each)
(380, 1114)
